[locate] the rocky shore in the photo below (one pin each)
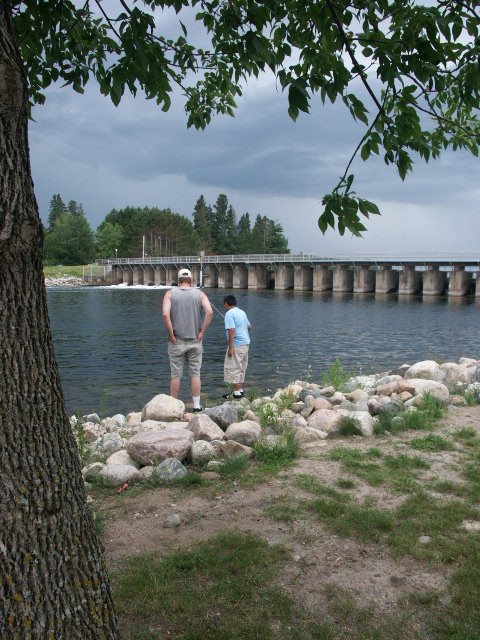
(65, 281)
(158, 442)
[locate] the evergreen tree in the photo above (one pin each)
(108, 240)
(71, 241)
(230, 240)
(72, 208)
(219, 223)
(57, 207)
(244, 234)
(201, 224)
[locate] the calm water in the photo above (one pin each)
(112, 351)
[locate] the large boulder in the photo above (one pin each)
(246, 432)
(117, 474)
(426, 369)
(204, 428)
(92, 431)
(363, 420)
(435, 389)
(224, 415)
(163, 408)
(325, 420)
(152, 447)
(457, 373)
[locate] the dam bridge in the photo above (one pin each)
(432, 274)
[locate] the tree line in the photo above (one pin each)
(134, 231)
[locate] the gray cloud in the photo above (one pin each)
(87, 150)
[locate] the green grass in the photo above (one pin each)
(219, 590)
(431, 442)
(468, 436)
(280, 454)
(427, 414)
(57, 271)
(349, 427)
(336, 376)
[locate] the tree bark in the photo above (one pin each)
(54, 583)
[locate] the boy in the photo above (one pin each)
(237, 327)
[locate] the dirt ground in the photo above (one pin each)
(138, 523)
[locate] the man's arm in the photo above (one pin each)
(166, 308)
(208, 315)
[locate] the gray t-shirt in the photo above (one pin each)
(186, 312)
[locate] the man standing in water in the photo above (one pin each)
(237, 327)
(187, 313)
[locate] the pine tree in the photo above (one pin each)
(219, 223)
(244, 234)
(201, 224)
(57, 207)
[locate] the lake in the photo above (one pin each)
(111, 344)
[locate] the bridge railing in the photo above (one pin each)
(464, 258)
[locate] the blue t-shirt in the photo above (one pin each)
(237, 319)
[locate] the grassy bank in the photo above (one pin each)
(361, 539)
(57, 271)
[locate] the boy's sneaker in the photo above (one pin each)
(236, 395)
(197, 409)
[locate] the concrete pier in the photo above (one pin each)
(363, 280)
(459, 282)
(117, 274)
(409, 281)
(225, 276)
(137, 275)
(258, 276)
(159, 276)
(322, 278)
(240, 277)
(386, 280)
(302, 278)
(149, 276)
(210, 276)
(284, 277)
(342, 279)
(434, 282)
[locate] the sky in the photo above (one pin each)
(109, 157)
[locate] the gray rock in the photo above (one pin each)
(151, 447)
(92, 470)
(246, 432)
(436, 389)
(223, 415)
(92, 417)
(172, 521)
(107, 444)
(170, 469)
(117, 474)
(122, 457)
(202, 452)
(163, 408)
(145, 473)
(204, 428)
(232, 449)
(427, 370)
(315, 393)
(120, 419)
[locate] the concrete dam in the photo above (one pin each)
(430, 274)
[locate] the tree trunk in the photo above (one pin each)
(54, 581)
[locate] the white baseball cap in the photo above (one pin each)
(185, 273)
